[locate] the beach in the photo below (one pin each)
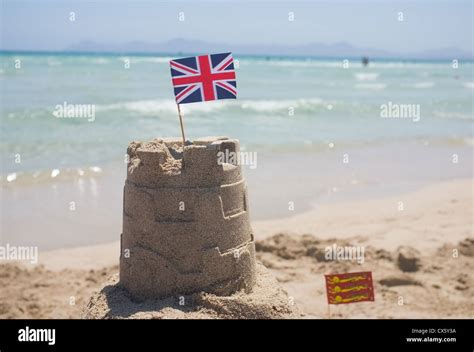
(332, 166)
(435, 220)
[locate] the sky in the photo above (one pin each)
(426, 25)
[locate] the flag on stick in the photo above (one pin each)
(349, 288)
(204, 78)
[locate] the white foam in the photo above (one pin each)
(469, 85)
(154, 107)
(453, 115)
(146, 107)
(339, 63)
(422, 85)
(297, 63)
(95, 169)
(100, 61)
(366, 76)
(415, 65)
(11, 177)
(54, 62)
(141, 59)
(275, 105)
(51, 175)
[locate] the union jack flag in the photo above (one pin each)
(204, 78)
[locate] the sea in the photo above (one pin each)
(322, 129)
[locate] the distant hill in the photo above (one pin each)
(341, 49)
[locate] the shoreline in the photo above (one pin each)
(307, 181)
(336, 220)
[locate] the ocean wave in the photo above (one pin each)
(47, 175)
(277, 105)
(100, 61)
(453, 115)
(54, 62)
(339, 63)
(374, 86)
(366, 76)
(410, 65)
(140, 59)
(295, 63)
(153, 107)
(422, 85)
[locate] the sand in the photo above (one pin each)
(39, 293)
(441, 288)
(266, 301)
(435, 223)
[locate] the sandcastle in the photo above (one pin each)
(186, 225)
(187, 248)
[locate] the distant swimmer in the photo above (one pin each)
(365, 61)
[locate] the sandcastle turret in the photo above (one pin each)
(186, 224)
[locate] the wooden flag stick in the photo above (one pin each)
(329, 311)
(182, 126)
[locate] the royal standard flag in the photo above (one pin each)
(349, 288)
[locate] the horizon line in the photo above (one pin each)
(163, 53)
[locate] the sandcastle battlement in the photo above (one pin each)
(160, 163)
(186, 226)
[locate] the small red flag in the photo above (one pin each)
(349, 288)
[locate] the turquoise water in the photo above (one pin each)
(332, 106)
(300, 156)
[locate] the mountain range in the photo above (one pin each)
(187, 46)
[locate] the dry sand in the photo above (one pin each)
(435, 222)
(266, 301)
